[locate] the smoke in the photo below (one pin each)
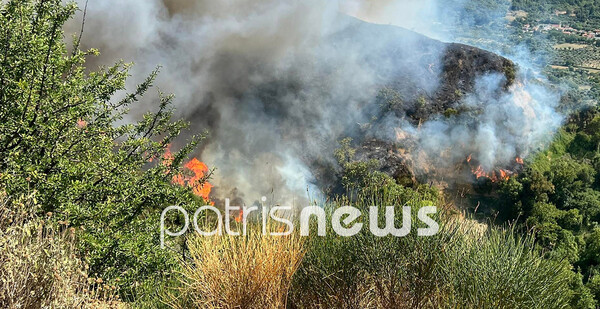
(277, 83)
(495, 124)
(428, 17)
(495, 127)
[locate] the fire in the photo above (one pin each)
(193, 176)
(501, 175)
(479, 172)
(200, 170)
(240, 216)
(519, 160)
(495, 175)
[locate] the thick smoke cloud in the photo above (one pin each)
(277, 83)
(428, 17)
(495, 127)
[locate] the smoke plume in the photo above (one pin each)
(278, 83)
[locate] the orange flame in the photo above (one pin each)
(240, 216)
(197, 171)
(469, 158)
(504, 174)
(519, 160)
(494, 176)
(479, 172)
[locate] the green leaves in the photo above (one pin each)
(62, 134)
(557, 196)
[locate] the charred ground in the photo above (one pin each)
(427, 79)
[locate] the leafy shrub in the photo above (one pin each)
(62, 136)
(557, 196)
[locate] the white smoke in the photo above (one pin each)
(277, 83)
(493, 129)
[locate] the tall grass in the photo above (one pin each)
(252, 271)
(498, 269)
(39, 265)
(460, 267)
(465, 265)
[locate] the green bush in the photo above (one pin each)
(465, 265)
(557, 196)
(62, 137)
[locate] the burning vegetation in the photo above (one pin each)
(497, 174)
(194, 175)
(285, 97)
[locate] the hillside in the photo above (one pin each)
(422, 80)
(309, 160)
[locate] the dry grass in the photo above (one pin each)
(39, 267)
(252, 271)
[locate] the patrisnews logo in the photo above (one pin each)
(347, 215)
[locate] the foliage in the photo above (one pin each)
(498, 269)
(558, 197)
(360, 177)
(583, 13)
(64, 137)
(68, 141)
(464, 265)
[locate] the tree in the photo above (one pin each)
(594, 129)
(59, 139)
(568, 177)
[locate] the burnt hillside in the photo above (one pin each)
(429, 76)
(424, 79)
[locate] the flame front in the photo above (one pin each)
(193, 176)
(199, 186)
(240, 216)
(479, 172)
(495, 175)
